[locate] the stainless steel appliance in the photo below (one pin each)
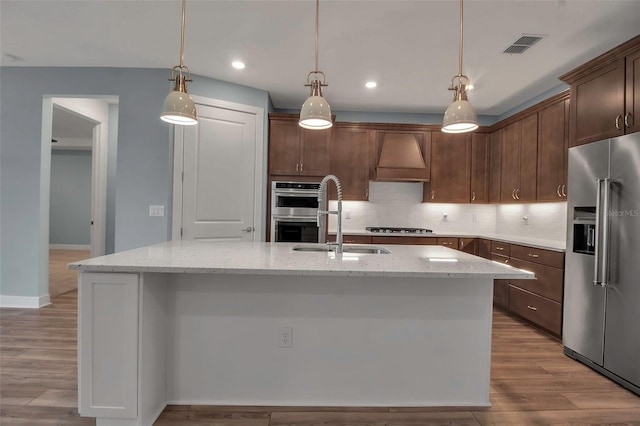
(294, 212)
(602, 274)
(395, 230)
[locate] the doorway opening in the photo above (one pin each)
(79, 138)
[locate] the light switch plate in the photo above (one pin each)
(156, 210)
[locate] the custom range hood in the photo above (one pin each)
(402, 156)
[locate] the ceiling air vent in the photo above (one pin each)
(523, 43)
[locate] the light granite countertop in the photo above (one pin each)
(527, 241)
(279, 259)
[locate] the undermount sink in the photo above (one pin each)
(364, 249)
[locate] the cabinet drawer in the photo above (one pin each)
(536, 255)
(543, 312)
(501, 248)
(356, 239)
(501, 293)
(404, 240)
(500, 258)
(448, 242)
(548, 282)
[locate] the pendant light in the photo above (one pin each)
(460, 117)
(178, 106)
(316, 112)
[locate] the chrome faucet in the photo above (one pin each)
(322, 192)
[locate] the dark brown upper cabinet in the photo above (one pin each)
(495, 165)
(605, 95)
(519, 161)
(450, 169)
(294, 150)
(349, 152)
(480, 167)
(553, 146)
(402, 156)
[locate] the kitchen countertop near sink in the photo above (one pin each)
(280, 259)
(527, 241)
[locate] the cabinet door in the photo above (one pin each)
(468, 245)
(314, 152)
(528, 159)
(632, 113)
(597, 107)
(480, 168)
(284, 155)
(495, 162)
(350, 162)
(552, 152)
(450, 168)
(509, 167)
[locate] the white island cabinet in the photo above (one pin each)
(261, 324)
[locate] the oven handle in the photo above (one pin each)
(296, 193)
(294, 218)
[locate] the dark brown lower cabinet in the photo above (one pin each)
(468, 245)
(356, 239)
(501, 293)
(537, 309)
(403, 240)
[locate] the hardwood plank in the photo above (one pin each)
(57, 398)
(614, 399)
(372, 419)
(564, 417)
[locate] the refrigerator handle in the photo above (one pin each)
(598, 250)
(605, 233)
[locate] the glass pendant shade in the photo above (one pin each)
(460, 117)
(178, 106)
(315, 112)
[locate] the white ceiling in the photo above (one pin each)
(69, 125)
(409, 47)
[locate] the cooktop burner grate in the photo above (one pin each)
(394, 230)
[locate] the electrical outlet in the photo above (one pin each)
(285, 337)
(347, 214)
(156, 210)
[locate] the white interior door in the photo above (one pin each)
(219, 180)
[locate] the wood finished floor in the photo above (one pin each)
(532, 383)
(62, 280)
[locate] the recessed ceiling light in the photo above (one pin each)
(370, 84)
(239, 65)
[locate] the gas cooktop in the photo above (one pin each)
(391, 230)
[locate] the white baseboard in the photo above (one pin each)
(70, 246)
(24, 301)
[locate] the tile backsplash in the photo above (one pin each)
(400, 204)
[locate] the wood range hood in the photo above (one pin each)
(402, 156)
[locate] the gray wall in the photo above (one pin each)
(70, 202)
(144, 156)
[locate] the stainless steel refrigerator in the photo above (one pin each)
(601, 322)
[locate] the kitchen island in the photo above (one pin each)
(262, 324)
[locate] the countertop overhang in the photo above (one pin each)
(259, 258)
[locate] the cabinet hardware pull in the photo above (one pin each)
(301, 164)
(518, 194)
(534, 255)
(533, 308)
(446, 243)
(297, 166)
(626, 119)
(473, 196)
(506, 261)
(558, 191)
(433, 194)
(564, 192)
(618, 118)
(500, 248)
(513, 194)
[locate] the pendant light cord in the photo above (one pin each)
(317, 25)
(184, 7)
(460, 43)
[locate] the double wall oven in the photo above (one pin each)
(294, 208)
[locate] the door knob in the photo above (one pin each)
(248, 229)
